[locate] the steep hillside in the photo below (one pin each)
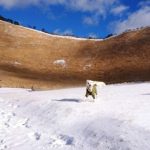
(30, 58)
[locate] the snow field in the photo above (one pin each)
(119, 119)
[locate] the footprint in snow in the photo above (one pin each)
(2, 113)
(2, 145)
(6, 124)
(24, 122)
(60, 141)
(34, 136)
(7, 118)
(37, 136)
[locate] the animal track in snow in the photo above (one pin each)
(60, 141)
(2, 145)
(6, 118)
(34, 136)
(24, 122)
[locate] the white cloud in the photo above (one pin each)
(140, 18)
(97, 9)
(65, 32)
(96, 6)
(8, 3)
(68, 32)
(102, 10)
(93, 35)
(91, 20)
(17, 3)
(144, 3)
(119, 9)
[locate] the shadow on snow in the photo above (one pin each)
(68, 100)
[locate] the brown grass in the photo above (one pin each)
(125, 58)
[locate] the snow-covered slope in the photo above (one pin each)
(119, 119)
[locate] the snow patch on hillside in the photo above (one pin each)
(17, 63)
(60, 62)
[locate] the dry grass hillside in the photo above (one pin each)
(29, 58)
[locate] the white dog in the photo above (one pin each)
(91, 87)
(98, 83)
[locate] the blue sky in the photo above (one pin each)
(83, 18)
